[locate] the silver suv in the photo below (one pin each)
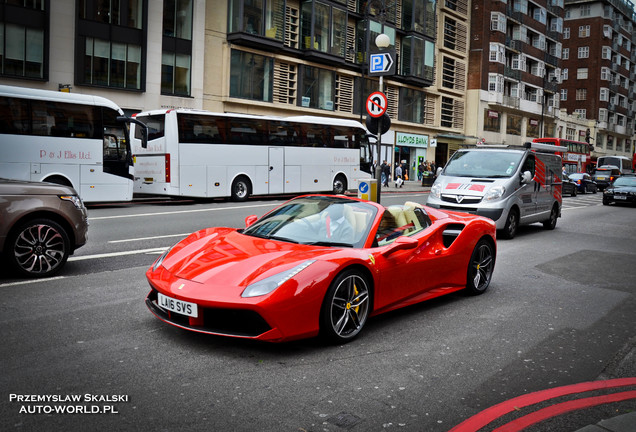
(41, 224)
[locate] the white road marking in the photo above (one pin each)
(116, 254)
(31, 281)
(149, 238)
(175, 212)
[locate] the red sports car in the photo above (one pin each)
(319, 265)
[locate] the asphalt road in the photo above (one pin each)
(560, 311)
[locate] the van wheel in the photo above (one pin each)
(241, 189)
(549, 224)
(512, 223)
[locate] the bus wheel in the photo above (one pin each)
(339, 185)
(241, 189)
(512, 223)
(58, 180)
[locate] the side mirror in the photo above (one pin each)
(401, 243)
(526, 177)
(250, 220)
(141, 125)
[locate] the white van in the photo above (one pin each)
(510, 184)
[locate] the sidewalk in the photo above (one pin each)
(408, 186)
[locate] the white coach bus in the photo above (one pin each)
(197, 153)
(71, 139)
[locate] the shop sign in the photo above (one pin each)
(411, 140)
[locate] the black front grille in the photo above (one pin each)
(232, 322)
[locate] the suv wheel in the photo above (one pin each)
(38, 248)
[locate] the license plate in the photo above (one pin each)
(600, 178)
(177, 306)
(620, 197)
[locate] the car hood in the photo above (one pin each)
(223, 256)
(468, 186)
(622, 189)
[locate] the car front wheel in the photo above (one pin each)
(346, 307)
(39, 248)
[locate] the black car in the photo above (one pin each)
(568, 186)
(584, 182)
(623, 190)
(605, 175)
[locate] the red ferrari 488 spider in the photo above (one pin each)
(319, 265)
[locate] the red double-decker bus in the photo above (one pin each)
(577, 159)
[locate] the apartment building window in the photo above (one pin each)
(447, 112)
(513, 125)
(606, 53)
(566, 33)
(586, 10)
(24, 34)
(257, 17)
(604, 94)
(564, 95)
(450, 33)
(581, 94)
(564, 74)
(540, 14)
(413, 16)
(110, 43)
(580, 113)
(581, 73)
(317, 88)
(448, 72)
(584, 31)
(176, 58)
(606, 74)
(520, 6)
(323, 28)
(497, 53)
(495, 83)
(584, 52)
(497, 22)
(492, 121)
(251, 76)
(412, 104)
(566, 54)
(602, 115)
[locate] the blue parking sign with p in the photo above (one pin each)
(382, 63)
(377, 62)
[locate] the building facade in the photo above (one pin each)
(599, 74)
(465, 71)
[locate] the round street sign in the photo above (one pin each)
(377, 104)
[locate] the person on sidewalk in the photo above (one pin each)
(398, 176)
(386, 174)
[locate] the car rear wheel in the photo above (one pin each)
(346, 307)
(39, 248)
(512, 223)
(480, 268)
(550, 224)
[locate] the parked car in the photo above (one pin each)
(605, 175)
(584, 182)
(568, 187)
(41, 224)
(622, 190)
(319, 264)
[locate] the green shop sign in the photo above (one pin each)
(411, 140)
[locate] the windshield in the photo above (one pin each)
(483, 164)
(625, 181)
(328, 221)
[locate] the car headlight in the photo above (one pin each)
(269, 284)
(436, 190)
(77, 201)
(159, 260)
(494, 193)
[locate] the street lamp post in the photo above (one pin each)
(382, 41)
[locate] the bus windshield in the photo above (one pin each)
(483, 164)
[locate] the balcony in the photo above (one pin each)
(512, 73)
(511, 101)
